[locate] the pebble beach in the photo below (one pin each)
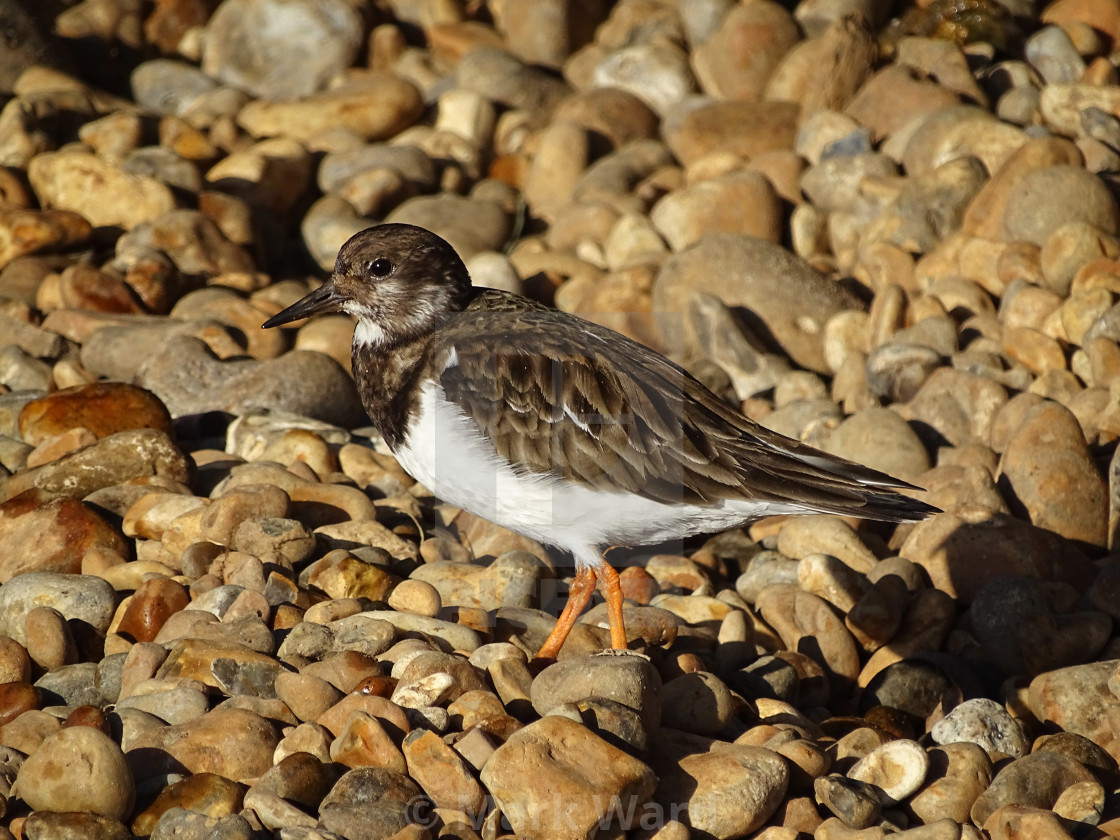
(889, 231)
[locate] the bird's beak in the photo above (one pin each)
(326, 298)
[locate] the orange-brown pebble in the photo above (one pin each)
(90, 716)
(390, 715)
(344, 670)
(17, 698)
(286, 616)
(54, 534)
(103, 408)
(58, 445)
(306, 695)
(638, 585)
(154, 602)
(365, 742)
(86, 287)
(683, 663)
(381, 686)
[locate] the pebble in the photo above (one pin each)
(115, 459)
(1078, 508)
(78, 769)
(369, 802)
(174, 705)
(1009, 546)
(150, 606)
(373, 106)
(202, 793)
(699, 702)
(898, 768)
(444, 776)
(695, 129)
(880, 438)
(796, 614)
(1035, 780)
(731, 791)
(58, 533)
(742, 202)
(1066, 696)
(247, 29)
(186, 376)
(627, 679)
(511, 580)
(856, 803)
(48, 639)
(86, 598)
(1006, 614)
(657, 74)
(73, 825)
(504, 79)
(576, 767)
(180, 822)
(985, 723)
(364, 742)
(103, 194)
(959, 772)
(203, 745)
(416, 596)
(776, 280)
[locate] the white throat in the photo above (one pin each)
(368, 333)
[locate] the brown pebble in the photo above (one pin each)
(15, 664)
(306, 695)
(150, 606)
(379, 685)
(15, 699)
(103, 408)
(415, 596)
(390, 714)
(55, 533)
(344, 670)
(78, 769)
(203, 793)
(638, 585)
(58, 445)
(50, 643)
(365, 742)
(88, 716)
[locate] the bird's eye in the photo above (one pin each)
(380, 267)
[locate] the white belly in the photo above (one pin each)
(445, 452)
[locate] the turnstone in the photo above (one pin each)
(560, 429)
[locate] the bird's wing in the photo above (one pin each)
(565, 397)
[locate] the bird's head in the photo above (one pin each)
(399, 281)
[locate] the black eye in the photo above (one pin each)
(380, 267)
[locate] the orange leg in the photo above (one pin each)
(583, 585)
(612, 588)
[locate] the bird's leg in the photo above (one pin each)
(583, 585)
(612, 588)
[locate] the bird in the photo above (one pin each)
(558, 428)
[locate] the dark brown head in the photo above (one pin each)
(399, 281)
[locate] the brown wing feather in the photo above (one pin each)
(585, 404)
